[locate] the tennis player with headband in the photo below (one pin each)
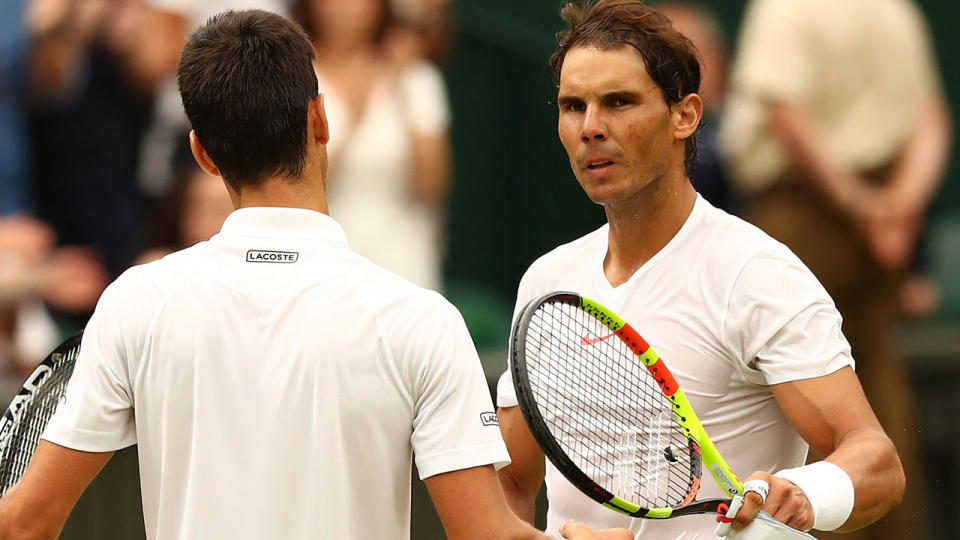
(750, 334)
(277, 384)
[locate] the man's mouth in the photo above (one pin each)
(599, 164)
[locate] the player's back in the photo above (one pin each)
(274, 385)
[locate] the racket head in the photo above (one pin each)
(23, 422)
(595, 397)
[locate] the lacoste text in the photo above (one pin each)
(272, 256)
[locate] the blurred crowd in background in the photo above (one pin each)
(96, 173)
(827, 123)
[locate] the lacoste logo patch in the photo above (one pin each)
(489, 419)
(260, 256)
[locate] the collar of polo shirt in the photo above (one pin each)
(278, 222)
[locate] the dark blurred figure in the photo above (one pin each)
(14, 179)
(91, 94)
(389, 174)
(837, 127)
(36, 63)
(700, 25)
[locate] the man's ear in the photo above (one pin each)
(686, 115)
(317, 118)
(200, 154)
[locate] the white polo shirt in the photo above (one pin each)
(277, 385)
(731, 311)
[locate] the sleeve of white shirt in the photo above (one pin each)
(781, 322)
(454, 424)
(425, 95)
(97, 414)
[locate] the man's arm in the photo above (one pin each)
(833, 415)
(431, 175)
(521, 480)
(900, 208)
(471, 506)
(890, 215)
(39, 505)
(922, 162)
(802, 136)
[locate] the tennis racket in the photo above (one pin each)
(31, 409)
(608, 413)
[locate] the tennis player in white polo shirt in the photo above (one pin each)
(277, 383)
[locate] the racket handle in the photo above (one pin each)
(725, 527)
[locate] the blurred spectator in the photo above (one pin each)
(837, 127)
(90, 66)
(14, 180)
(432, 20)
(33, 270)
(191, 212)
(699, 25)
(390, 162)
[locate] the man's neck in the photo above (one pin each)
(282, 192)
(640, 229)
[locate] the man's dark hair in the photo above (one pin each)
(246, 79)
(670, 58)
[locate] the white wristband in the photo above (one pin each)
(829, 490)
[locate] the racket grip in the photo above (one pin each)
(725, 527)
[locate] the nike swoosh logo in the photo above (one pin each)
(587, 340)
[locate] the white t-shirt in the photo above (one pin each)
(731, 311)
(276, 383)
(369, 188)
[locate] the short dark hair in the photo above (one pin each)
(246, 79)
(670, 58)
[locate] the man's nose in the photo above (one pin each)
(594, 126)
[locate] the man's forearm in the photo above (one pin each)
(802, 138)
(920, 167)
(870, 459)
(18, 524)
(519, 500)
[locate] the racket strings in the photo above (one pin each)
(605, 410)
(33, 413)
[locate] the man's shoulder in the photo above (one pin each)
(723, 248)
(735, 239)
(148, 283)
(390, 294)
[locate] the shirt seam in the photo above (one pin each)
(381, 330)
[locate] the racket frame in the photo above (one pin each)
(682, 409)
(62, 358)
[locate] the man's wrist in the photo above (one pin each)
(829, 490)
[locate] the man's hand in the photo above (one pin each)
(891, 226)
(785, 502)
(574, 530)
